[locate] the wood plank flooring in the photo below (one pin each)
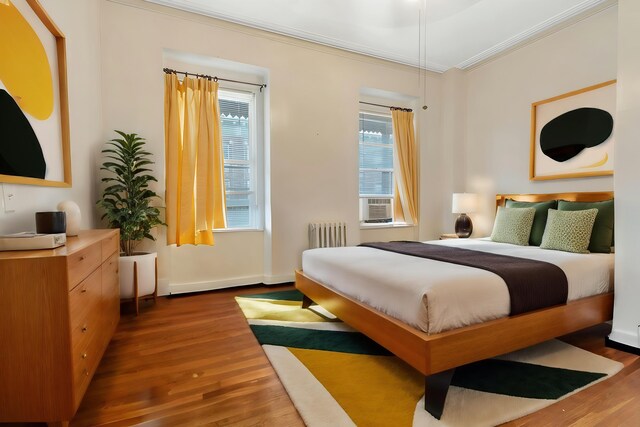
(192, 360)
(187, 360)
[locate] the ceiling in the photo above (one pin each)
(459, 33)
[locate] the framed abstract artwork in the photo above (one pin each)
(34, 111)
(572, 135)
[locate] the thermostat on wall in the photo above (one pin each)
(29, 241)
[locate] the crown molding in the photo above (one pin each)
(566, 17)
(284, 30)
(572, 15)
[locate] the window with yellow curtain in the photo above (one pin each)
(195, 193)
(405, 166)
(387, 167)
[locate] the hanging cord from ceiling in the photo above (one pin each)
(422, 48)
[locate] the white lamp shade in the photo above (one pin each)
(464, 203)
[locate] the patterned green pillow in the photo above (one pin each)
(540, 218)
(602, 234)
(513, 225)
(569, 231)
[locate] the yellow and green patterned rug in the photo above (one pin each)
(336, 376)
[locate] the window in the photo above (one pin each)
(239, 130)
(376, 167)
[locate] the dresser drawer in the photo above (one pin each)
(84, 307)
(110, 278)
(83, 262)
(110, 246)
(85, 314)
(85, 358)
(81, 370)
(111, 293)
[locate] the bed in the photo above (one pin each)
(436, 348)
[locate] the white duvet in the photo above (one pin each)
(436, 296)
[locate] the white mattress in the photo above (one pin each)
(436, 296)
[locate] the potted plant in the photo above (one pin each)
(127, 205)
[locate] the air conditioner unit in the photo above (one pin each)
(376, 209)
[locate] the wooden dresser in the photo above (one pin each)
(58, 311)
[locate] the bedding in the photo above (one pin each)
(532, 284)
(436, 296)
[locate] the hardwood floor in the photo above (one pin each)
(613, 402)
(187, 360)
(192, 360)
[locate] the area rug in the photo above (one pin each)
(336, 376)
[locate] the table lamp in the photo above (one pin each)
(463, 203)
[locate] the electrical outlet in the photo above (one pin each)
(9, 198)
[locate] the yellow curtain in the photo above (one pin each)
(405, 167)
(195, 196)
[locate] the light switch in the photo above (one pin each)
(9, 197)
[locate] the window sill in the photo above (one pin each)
(375, 226)
(237, 230)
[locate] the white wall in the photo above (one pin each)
(313, 153)
(454, 153)
(499, 100)
(80, 25)
(626, 315)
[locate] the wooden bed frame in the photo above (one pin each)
(436, 356)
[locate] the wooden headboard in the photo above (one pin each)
(572, 197)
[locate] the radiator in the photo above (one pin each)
(327, 234)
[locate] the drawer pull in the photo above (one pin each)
(84, 329)
(86, 372)
(82, 258)
(84, 355)
(82, 291)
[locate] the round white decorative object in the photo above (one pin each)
(72, 211)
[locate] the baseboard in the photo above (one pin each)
(276, 280)
(163, 287)
(210, 285)
(620, 346)
(182, 288)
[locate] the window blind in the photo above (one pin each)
(376, 155)
(239, 165)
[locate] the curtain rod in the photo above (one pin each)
(214, 78)
(408, 110)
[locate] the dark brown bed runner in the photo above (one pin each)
(532, 284)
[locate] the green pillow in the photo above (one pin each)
(513, 225)
(569, 231)
(602, 235)
(540, 218)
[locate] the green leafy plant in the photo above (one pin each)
(127, 198)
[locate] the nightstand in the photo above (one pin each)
(448, 236)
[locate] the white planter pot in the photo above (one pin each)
(146, 269)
